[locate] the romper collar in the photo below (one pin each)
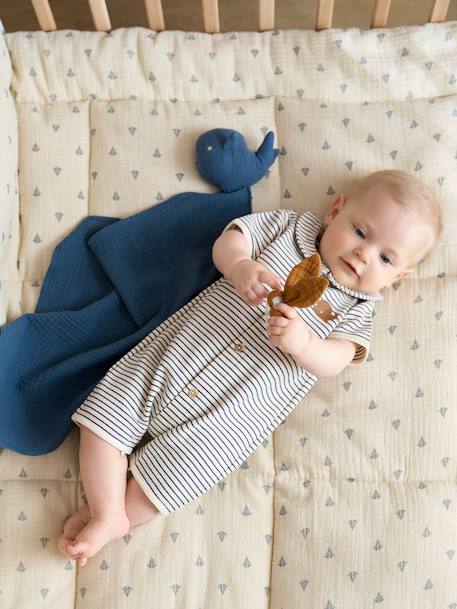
(308, 232)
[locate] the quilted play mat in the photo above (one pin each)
(352, 501)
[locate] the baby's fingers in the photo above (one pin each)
(278, 321)
(252, 298)
(257, 293)
(260, 290)
(271, 280)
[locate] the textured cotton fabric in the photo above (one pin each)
(129, 275)
(207, 384)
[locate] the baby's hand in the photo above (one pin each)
(290, 333)
(248, 277)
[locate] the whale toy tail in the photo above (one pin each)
(224, 159)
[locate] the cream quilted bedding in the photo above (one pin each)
(352, 502)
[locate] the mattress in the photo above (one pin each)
(352, 501)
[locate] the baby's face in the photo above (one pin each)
(379, 238)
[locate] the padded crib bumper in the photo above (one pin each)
(355, 66)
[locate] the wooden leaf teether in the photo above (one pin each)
(303, 287)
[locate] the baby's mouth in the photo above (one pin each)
(351, 268)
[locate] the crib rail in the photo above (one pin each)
(210, 8)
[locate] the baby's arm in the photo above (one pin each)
(228, 249)
(232, 257)
(326, 357)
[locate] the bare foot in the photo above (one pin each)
(94, 535)
(72, 526)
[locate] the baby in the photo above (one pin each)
(214, 380)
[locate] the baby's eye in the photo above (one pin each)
(359, 232)
(386, 259)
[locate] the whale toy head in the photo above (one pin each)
(223, 159)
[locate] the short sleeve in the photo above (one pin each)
(357, 327)
(262, 228)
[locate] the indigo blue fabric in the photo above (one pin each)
(110, 282)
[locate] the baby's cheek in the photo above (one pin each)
(340, 240)
(331, 243)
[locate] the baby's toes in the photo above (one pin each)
(75, 548)
(63, 543)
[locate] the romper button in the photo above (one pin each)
(239, 347)
(192, 392)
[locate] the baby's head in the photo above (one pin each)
(388, 223)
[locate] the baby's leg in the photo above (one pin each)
(138, 507)
(104, 477)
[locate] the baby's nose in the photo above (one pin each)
(362, 254)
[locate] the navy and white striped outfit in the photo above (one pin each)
(207, 384)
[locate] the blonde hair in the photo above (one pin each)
(410, 192)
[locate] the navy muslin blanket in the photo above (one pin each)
(110, 282)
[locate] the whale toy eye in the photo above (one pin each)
(209, 148)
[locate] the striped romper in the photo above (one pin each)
(207, 384)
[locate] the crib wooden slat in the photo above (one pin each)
(380, 13)
(154, 14)
(211, 16)
(100, 15)
(266, 15)
(439, 11)
(324, 15)
(44, 15)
